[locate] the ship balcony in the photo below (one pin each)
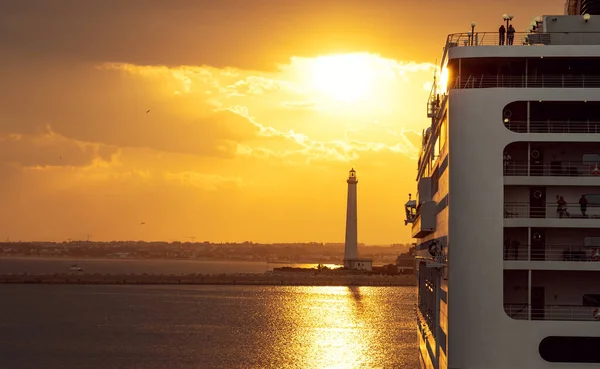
(552, 295)
(492, 80)
(488, 39)
(552, 312)
(538, 206)
(551, 248)
(553, 169)
(571, 253)
(425, 219)
(556, 117)
(552, 163)
(552, 126)
(571, 211)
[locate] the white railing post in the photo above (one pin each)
(528, 146)
(528, 117)
(529, 244)
(529, 294)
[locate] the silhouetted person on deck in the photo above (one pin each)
(561, 207)
(507, 159)
(511, 34)
(502, 33)
(583, 203)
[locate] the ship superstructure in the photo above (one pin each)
(507, 213)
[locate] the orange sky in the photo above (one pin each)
(258, 109)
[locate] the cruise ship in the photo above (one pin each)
(507, 210)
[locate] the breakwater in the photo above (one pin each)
(223, 279)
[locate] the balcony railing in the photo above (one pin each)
(550, 210)
(553, 169)
(552, 312)
(484, 39)
(551, 253)
(524, 81)
(523, 39)
(553, 126)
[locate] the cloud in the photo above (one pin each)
(258, 85)
(299, 104)
(107, 107)
(50, 149)
(202, 111)
(207, 182)
(228, 33)
(335, 150)
(160, 143)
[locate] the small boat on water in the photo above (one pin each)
(76, 268)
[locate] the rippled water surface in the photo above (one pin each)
(136, 327)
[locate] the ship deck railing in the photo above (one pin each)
(519, 39)
(524, 81)
(553, 126)
(552, 312)
(551, 253)
(492, 38)
(552, 169)
(550, 210)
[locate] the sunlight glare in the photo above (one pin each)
(346, 77)
(444, 78)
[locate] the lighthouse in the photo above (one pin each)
(351, 260)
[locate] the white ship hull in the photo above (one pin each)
(507, 278)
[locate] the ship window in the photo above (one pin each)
(443, 132)
(435, 180)
(590, 158)
(591, 300)
(593, 199)
(557, 349)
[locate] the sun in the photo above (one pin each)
(346, 77)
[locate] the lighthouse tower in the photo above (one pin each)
(351, 259)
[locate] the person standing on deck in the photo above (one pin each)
(583, 203)
(511, 35)
(502, 33)
(561, 207)
(507, 159)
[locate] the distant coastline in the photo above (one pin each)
(224, 279)
(291, 253)
(107, 258)
(77, 259)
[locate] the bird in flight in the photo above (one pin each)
(142, 223)
(147, 111)
(60, 157)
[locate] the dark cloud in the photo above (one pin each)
(109, 107)
(252, 34)
(49, 149)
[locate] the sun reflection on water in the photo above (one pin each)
(342, 337)
(334, 332)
